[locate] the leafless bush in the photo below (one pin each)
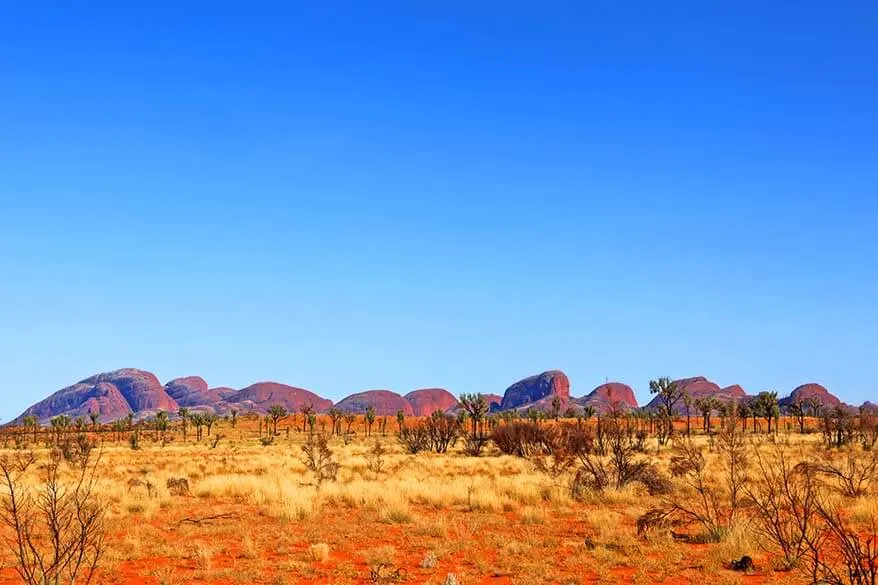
(784, 496)
(318, 458)
(699, 500)
(415, 438)
(735, 462)
(850, 474)
(57, 527)
(612, 462)
(843, 555)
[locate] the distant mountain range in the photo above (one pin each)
(117, 394)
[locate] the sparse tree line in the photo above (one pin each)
(744, 473)
(475, 421)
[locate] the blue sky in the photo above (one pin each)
(403, 195)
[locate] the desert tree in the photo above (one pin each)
(94, 416)
(765, 404)
(60, 424)
(276, 413)
(838, 426)
(400, 420)
(335, 415)
(312, 420)
(743, 413)
(161, 423)
(198, 421)
(556, 407)
(799, 410)
(233, 415)
(669, 395)
(704, 407)
(307, 409)
(687, 404)
(183, 413)
(31, 422)
(476, 407)
(349, 419)
(210, 419)
(815, 406)
(370, 419)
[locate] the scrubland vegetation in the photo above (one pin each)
(475, 498)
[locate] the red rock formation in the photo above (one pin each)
(261, 396)
(537, 389)
(142, 390)
(112, 395)
(193, 391)
(385, 402)
(607, 396)
(425, 401)
(807, 392)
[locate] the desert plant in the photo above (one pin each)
(375, 458)
(210, 419)
(734, 460)
(784, 497)
(765, 405)
(522, 439)
(183, 413)
(669, 394)
(335, 416)
(57, 528)
(837, 426)
(370, 419)
(318, 458)
(198, 421)
(842, 554)
(799, 410)
(443, 430)
(851, 474)
(415, 438)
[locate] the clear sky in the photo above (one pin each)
(453, 194)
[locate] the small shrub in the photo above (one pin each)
(318, 459)
(414, 438)
(375, 458)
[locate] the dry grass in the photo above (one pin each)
(429, 514)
